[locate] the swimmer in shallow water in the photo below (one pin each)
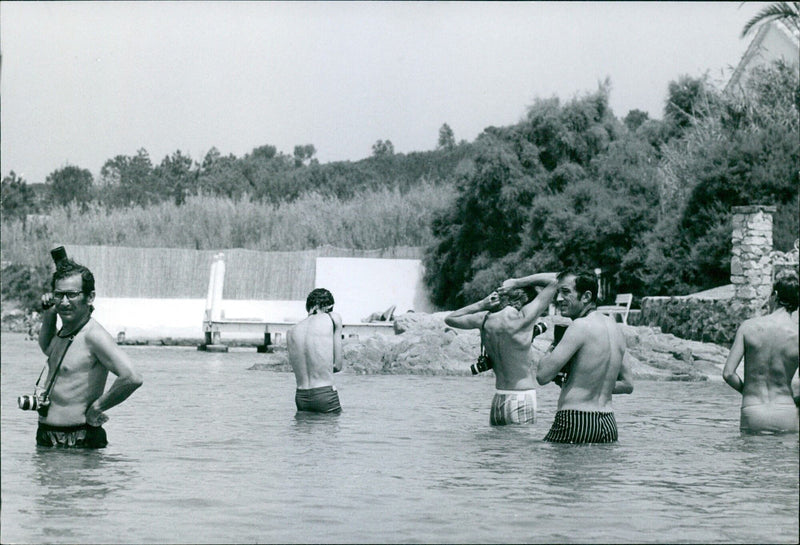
(315, 352)
(594, 348)
(80, 356)
(506, 320)
(768, 345)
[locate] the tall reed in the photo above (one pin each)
(376, 219)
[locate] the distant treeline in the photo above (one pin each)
(571, 185)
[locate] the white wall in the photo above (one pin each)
(152, 319)
(361, 286)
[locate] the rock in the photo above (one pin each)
(425, 345)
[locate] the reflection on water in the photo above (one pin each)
(210, 452)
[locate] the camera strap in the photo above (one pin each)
(483, 350)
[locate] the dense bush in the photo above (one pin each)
(695, 319)
(25, 285)
(373, 219)
(649, 202)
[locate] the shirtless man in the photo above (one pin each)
(315, 352)
(593, 346)
(506, 321)
(768, 345)
(77, 402)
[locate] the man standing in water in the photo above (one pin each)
(768, 345)
(593, 347)
(80, 355)
(315, 352)
(506, 321)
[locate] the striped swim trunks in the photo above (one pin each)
(513, 407)
(571, 426)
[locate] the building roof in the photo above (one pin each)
(772, 41)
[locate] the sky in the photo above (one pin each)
(83, 82)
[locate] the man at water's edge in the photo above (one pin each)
(769, 346)
(315, 353)
(594, 347)
(80, 355)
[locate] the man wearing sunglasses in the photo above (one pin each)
(79, 356)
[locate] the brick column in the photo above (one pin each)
(751, 266)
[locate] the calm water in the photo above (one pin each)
(207, 451)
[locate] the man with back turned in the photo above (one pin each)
(768, 345)
(80, 356)
(315, 353)
(593, 346)
(506, 320)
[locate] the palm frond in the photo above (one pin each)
(785, 11)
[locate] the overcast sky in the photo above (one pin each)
(84, 82)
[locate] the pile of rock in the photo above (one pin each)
(425, 345)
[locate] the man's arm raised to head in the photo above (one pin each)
(471, 316)
(536, 279)
(551, 363)
(734, 359)
(48, 329)
(338, 359)
(532, 310)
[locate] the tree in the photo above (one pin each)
(635, 119)
(129, 181)
(174, 176)
(303, 154)
(447, 139)
(383, 148)
(17, 199)
(70, 184)
(687, 99)
(787, 12)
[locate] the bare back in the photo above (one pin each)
(509, 347)
(595, 366)
(770, 358)
(310, 344)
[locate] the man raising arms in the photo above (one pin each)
(315, 352)
(506, 320)
(768, 345)
(80, 355)
(593, 346)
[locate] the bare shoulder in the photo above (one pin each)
(97, 335)
(337, 319)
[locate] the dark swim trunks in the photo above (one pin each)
(324, 399)
(571, 426)
(81, 436)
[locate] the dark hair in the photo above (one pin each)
(584, 281)
(515, 298)
(320, 298)
(786, 286)
(67, 267)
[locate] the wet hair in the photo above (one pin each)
(515, 298)
(584, 281)
(320, 298)
(67, 267)
(786, 287)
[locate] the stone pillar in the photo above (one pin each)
(751, 266)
